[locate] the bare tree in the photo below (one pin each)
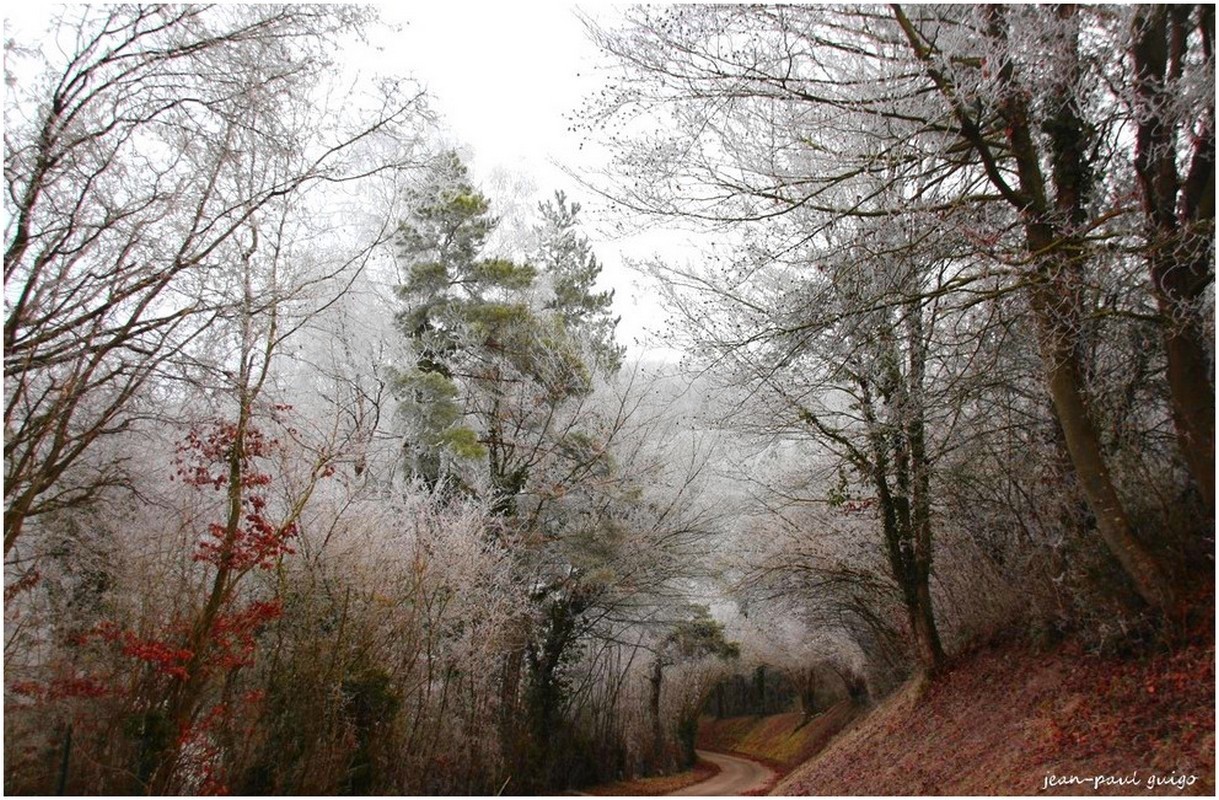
(1054, 214)
(827, 117)
(127, 191)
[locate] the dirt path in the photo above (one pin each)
(737, 776)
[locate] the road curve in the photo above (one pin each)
(737, 776)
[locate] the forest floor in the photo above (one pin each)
(1011, 720)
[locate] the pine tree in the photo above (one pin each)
(458, 308)
(492, 363)
(566, 255)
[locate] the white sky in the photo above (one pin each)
(502, 75)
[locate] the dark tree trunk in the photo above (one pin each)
(1083, 444)
(907, 534)
(658, 743)
(1180, 224)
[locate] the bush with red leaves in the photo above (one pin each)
(213, 459)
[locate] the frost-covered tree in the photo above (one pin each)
(566, 256)
(126, 147)
(1001, 128)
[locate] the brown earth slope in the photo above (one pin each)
(1006, 719)
(781, 741)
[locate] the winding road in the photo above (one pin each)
(736, 776)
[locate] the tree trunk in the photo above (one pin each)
(1083, 443)
(926, 634)
(1052, 241)
(907, 537)
(658, 744)
(808, 692)
(1180, 225)
(1193, 404)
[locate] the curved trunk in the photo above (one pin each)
(1079, 430)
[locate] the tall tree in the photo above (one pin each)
(1054, 214)
(452, 298)
(928, 116)
(1172, 49)
(506, 357)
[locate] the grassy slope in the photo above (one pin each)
(1004, 718)
(777, 740)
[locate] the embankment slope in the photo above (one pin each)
(781, 741)
(1006, 718)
